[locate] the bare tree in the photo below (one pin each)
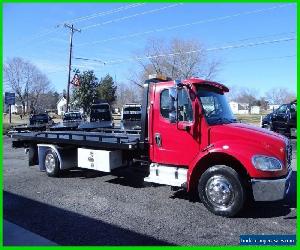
(248, 96)
(128, 94)
(178, 59)
(26, 80)
(279, 96)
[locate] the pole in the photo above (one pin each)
(9, 113)
(72, 29)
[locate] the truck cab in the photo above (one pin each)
(195, 141)
(100, 118)
(131, 115)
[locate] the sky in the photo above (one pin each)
(255, 43)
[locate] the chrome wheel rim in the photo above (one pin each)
(219, 192)
(50, 162)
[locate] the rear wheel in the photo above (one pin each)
(52, 163)
(221, 191)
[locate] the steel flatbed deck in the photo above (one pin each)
(105, 139)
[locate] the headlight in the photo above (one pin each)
(266, 163)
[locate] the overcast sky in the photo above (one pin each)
(259, 38)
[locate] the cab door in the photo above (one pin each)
(175, 130)
(280, 118)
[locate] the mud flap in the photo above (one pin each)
(33, 155)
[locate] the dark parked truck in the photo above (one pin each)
(131, 116)
(283, 120)
(100, 118)
(37, 122)
(71, 121)
(189, 138)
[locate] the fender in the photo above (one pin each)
(228, 152)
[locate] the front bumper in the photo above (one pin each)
(271, 190)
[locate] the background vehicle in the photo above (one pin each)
(189, 139)
(37, 122)
(131, 116)
(282, 120)
(100, 117)
(71, 121)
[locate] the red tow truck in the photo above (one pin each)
(189, 138)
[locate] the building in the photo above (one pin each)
(15, 109)
(255, 110)
(61, 106)
(273, 106)
(239, 108)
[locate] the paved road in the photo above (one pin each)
(91, 208)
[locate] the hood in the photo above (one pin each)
(248, 134)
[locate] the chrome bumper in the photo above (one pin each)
(271, 190)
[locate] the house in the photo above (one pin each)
(239, 108)
(255, 110)
(61, 106)
(15, 109)
(273, 106)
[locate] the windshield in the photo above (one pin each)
(132, 117)
(215, 106)
(40, 117)
(137, 108)
(100, 113)
(72, 116)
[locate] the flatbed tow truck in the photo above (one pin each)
(188, 139)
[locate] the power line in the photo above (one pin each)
(204, 21)
(130, 16)
(103, 13)
(262, 59)
(83, 18)
(236, 46)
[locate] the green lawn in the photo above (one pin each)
(251, 119)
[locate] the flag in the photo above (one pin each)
(75, 81)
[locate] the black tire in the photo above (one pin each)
(52, 164)
(227, 179)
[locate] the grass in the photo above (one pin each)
(251, 119)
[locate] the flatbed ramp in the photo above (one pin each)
(106, 139)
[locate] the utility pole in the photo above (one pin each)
(72, 30)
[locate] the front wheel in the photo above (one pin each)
(221, 191)
(52, 164)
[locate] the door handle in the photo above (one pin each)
(158, 139)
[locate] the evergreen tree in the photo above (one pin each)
(84, 95)
(107, 89)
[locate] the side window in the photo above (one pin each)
(185, 110)
(293, 108)
(282, 109)
(164, 103)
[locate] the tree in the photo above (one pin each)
(26, 80)
(85, 95)
(127, 94)
(48, 101)
(247, 96)
(279, 96)
(179, 59)
(106, 89)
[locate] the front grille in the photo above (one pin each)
(288, 154)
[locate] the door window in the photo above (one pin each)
(164, 103)
(185, 110)
(282, 109)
